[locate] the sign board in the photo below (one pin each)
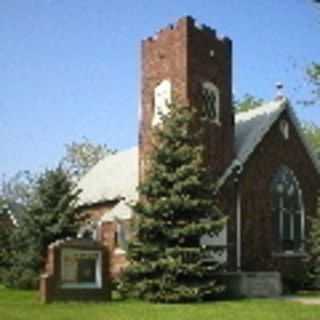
(80, 268)
(76, 269)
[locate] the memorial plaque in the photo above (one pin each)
(80, 268)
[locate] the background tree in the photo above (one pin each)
(5, 233)
(177, 207)
(313, 244)
(17, 191)
(312, 133)
(247, 102)
(313, 76)
(81, 156)
(310, 129)
(48, 216)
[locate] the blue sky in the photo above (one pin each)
(70, 68)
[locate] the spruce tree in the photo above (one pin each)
(50, 215)
(177, 206)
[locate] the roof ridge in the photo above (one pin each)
(265, 107)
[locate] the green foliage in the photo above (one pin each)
(49, 215)
(313, 245)
(5, 234)
(312, 133)
(313, 76)
(17, 191)
(82, 156)
(246, 103)
(177, 206)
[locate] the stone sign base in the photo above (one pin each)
(77, 269)
(252, 284)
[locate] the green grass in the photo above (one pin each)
(24, 305)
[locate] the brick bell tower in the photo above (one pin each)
(189, 65)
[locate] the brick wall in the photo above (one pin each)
(257, 235)
(106, 235)
(183, 54)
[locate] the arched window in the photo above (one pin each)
(287, 211)
(211, 101)
(162, 98)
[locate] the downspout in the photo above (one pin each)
(237, 171)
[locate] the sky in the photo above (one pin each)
(71, 68)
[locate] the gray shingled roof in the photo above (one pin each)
(252, 125)
(116, 176)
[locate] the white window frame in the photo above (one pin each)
(98, 272)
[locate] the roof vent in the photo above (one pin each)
(279, 91)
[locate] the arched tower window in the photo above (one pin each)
(162, 98)
(211, 101)
(288, 211)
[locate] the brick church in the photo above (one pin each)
(268, 176)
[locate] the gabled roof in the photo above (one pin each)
(252, 125)
(116, 176)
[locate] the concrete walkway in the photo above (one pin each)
(304, 300)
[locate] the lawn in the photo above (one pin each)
(24, 305)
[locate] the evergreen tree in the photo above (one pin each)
(246, 103)
(49, 216)
(5, 234)
(176, 207)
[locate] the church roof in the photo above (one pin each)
(252, 125)
(116, 176)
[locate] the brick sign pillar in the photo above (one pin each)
(77, 269)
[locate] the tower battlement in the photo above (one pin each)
(190, 23)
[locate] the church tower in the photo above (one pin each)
(188, 64)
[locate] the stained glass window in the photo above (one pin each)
(288, 211)
(210, 100)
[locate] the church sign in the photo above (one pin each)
(77, 269)
(80, 268)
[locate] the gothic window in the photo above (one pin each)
(162, 98)
(288, 211)
(211, 101)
